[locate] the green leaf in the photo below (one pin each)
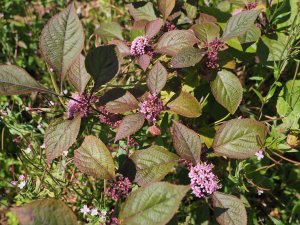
(46, 211)
(129, 125)
(14, 81)
(102, 63)
(252, 35)
(187, 57)
(62, 40)
(166, 7)
(185, 105)
(239, 24)
(191, 10)
(238, 138)
(110, 30)
(227, 90)
(229, 209)
(144, 12)
(60, 136)
(154, 204)
(172, 42)
(186, 142)
(206, 31)
(153, 164)
(94, 159)
(123, 104)
(77, 75)
(157, 78)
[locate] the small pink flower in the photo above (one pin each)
(13, 183)
(85, 210)
(203, 181)
(111, 119)
(119, 188)
(94, 212)
(151, 107)
(141, 46)
(22, 184)
(154, 130)
(211, 50)
(259, 155)
(80, 104)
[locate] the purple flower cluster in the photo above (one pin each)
(168, 27)
(119, 188)
(251, 5)
(111, 119)
(211, 49)
(80, 104)
(140, 46)
(151, 107)
(203, 181)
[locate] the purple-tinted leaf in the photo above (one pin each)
(153, 27)
(186, 142)
(239, 24)
(185, 105)
(157, 78)
(15, 80)
(144, 61)
(187, 57)
(129, 125)
(123, 104)
(47, 211)
(166, 7)
(62, 40)
(238, 138)
(206, 32)
(110, 30)
(205, 18)
(122, 47)
(173, 41)
(227, 90)
(142, 12)
(60, 136)
(94, 159)
(78, 76)
(155, 203)
(103, 64)
(229, 209)
(153, 164)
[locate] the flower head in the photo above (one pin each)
(94, 212)
(80, 104)
(140, 46)
(251, 5)
(203, 181)
(111, 119)
(85, 210)
(119, 188)
(168, 27)
(259, 192)
(259, 155)
(22, 184)
(211, 50)
(151, 107)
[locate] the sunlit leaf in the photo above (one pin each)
(142, 12)
(252, 35)
(129, 125)
(187, 57)
(123, 104)
(229, 210)
(110, 30)
(166, 7)
(77, 75)
(227, 90)
(14, 81)
(157, 78)
(206, 32)
(173, 41)
(185, 105)
(60, 136)
(102, 63)
(238, 138)
(94, 159)
(153, 164)
(46, 211)
(153, 27)
(186, 142)
(62, 40)
(152, 204)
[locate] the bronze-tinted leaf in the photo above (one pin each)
(129, 125)
(153, 27)
(140, 11)
(206, 32)
(123, 104)
(185, 105)
(166, 7)
(144, 61)
(186, 142)
(157, 78)
(187, 57)
(94, 159)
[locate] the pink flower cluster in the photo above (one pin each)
(251, 5)
(140, 46)
(211, 49)
(119, 188)
(203, 181)
(111, 119)
(168, 27)
(80, 104)
(151, 107)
